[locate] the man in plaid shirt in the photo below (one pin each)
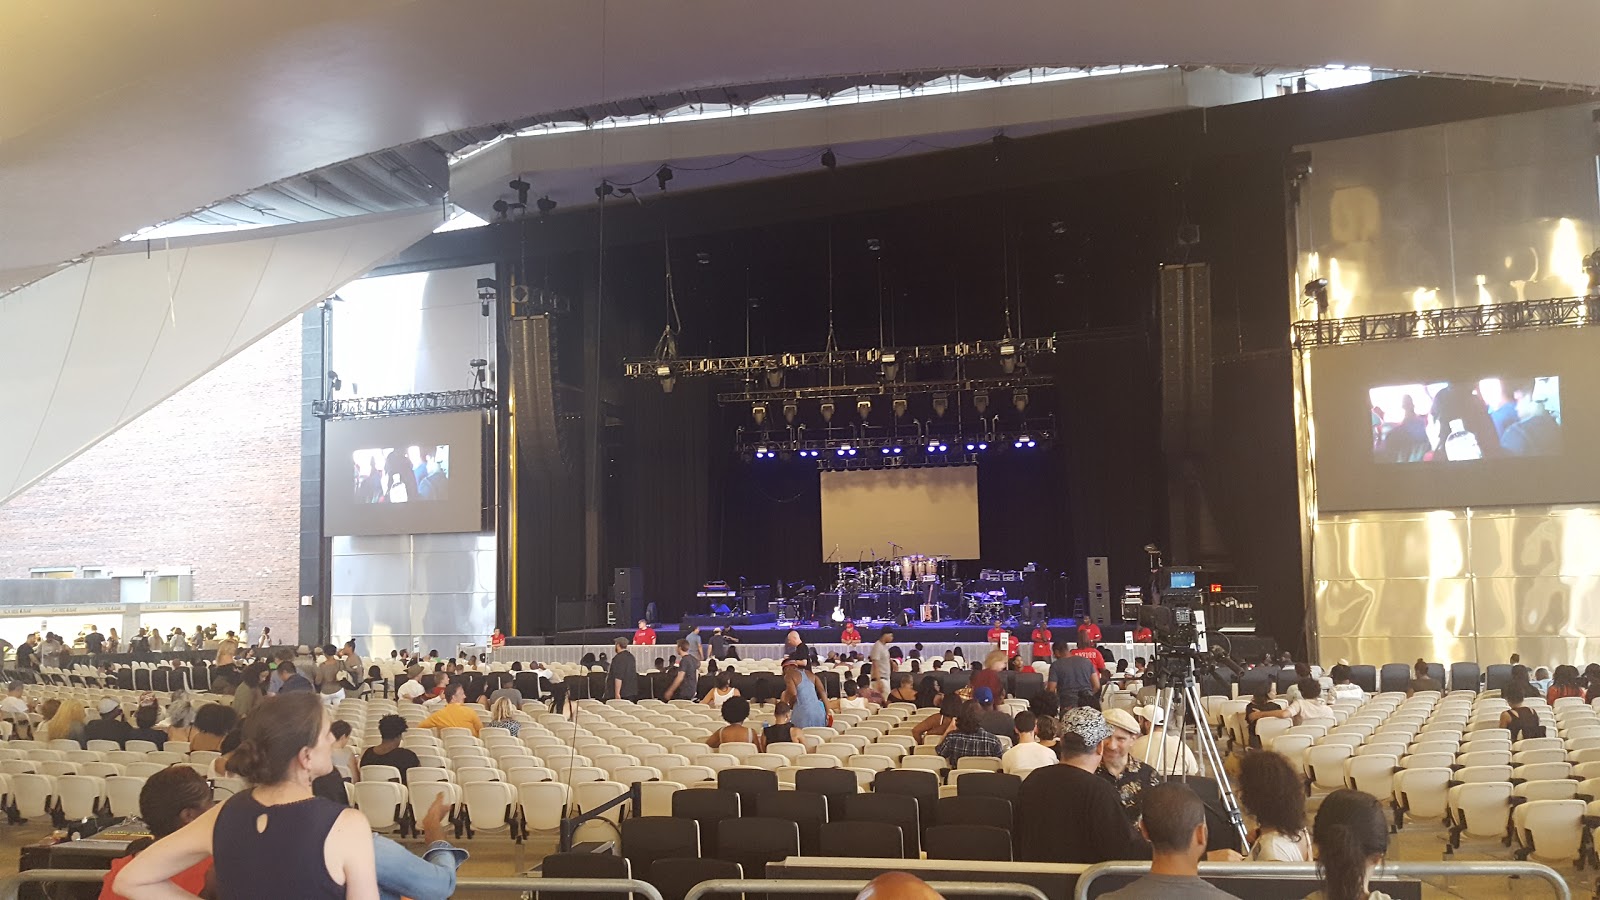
(969, 738)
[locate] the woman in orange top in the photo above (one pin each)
(169, 800)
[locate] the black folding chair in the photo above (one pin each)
(989, 784)
(583, 865)
(918, 783)
(675, 877)
(708, 807)
(974, 810)
(835, 784)
(747, 783)
(867, 840)
(890, 809)
(756, 841)
(969, 842)
(650, 838)
(804, 808)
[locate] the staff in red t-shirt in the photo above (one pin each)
(1088, 636)
(849, 637)
(1041, 642)
(497, 640)
(644, 635)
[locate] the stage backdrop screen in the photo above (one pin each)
(1457, 421)
(404, 475)
(892, 512)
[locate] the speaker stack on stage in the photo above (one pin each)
(1099, 586)
(627, 596)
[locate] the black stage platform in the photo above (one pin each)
(920, 632)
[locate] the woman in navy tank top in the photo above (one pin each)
(277, 839)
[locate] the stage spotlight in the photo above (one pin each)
(864, 407)
(774, 378)
(1019, 399)
(976, 446)
(790, 410)
(828, 159)
(703, 258)
(941, 403)
(980, 400)
(663, 175)
(1316, 292)
(546, 206)
(333, 380)
(897, 450)
(899, 407)
(885, 451)
(758, 411)
(827, 410)
(891, 366)
(761, 453)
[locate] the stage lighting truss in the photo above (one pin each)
(881, 359)
(1560, 312)
(404, 404)
(868, 447)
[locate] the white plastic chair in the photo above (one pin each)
(421, 794)
(542, 805)
(490, 806)
(1478, 810)
(421, 774)
(1550, 831)
(79, 795)
(656, 797)
(590, 795)
(34, 794)
(122, 794)
(981, 763)
(380, 773)
(1372, 774)
(1541, 771)
(383, 802)
(1420, 794)
(690, 775)
(580, 775)
(1325, 765)
(475, 774)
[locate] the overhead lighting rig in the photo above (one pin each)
(898, 357)
(865, 447)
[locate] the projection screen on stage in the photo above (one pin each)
(931, 511)
(1450, 422)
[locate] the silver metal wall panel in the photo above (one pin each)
(1390, 545)
(431, 590)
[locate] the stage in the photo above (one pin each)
(767, 641)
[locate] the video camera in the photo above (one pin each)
(1177, 619)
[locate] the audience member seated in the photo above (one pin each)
(331, 785)
(1160, 747)
(1343, 687)
(1122, 768)
(1309, 708)
(144, 721)
(851, 698)
(501, 715)
(1273, 793)
(1030, 753)
(1566, 684)
(1522, 721)
(735, 710)
(276, 833)
(14, 707)
(290, 681)
(781, 731)
(903, 692)
(454, 714)
(721, 692)
(415, 690)
(388, 751)
(940, 722)
(212, 723)
(110, 726)
(1261, 706)
(1175, 825)
(996, 721)
(1351, 837)
(66, 723)
(969, 737)
(1421, 680)
(169, 800)
(928, 692)
(252, 688)
(1079, 817)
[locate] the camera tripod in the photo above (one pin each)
(1178, 692)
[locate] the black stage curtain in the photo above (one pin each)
(669, 489)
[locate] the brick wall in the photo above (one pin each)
(209, 479)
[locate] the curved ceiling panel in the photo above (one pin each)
(89, 348)
(117, 116)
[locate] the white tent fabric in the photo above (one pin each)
(89, 348)
(117, 116)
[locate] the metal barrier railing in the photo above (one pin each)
(1308, 871)
(569, 827)
(11, 885)
(854, 885)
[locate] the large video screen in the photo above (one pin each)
(404, 474)
(882, 513)
(1451, 422)
(1457, 421)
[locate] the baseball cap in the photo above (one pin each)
(1087, 723)
(1151, 714)
(983, 695)
(109, 705)
(1120, 718)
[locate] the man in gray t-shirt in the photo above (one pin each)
(693, 639)
(1175, 822)
(687, 681)
(880, 661)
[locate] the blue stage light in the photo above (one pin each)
(851, 450)
(982, 446)
(897, 451)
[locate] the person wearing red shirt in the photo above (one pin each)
(1011, 646)
(169, 800)
(1003, 640)
(1041, 642)
(849, 637)
(1089, 633)
(497, 640)
(644, 635)
(1143, 636)
(1087, 650)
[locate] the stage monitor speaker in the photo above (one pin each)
(1099, 586)
(627, 595)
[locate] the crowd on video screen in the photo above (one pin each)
(402, 474)
(1451, 421)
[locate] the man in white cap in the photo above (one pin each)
(1123, 769)
(1166, 752)
(1076, 816)
(110, 726)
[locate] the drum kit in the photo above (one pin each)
(881, 587)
